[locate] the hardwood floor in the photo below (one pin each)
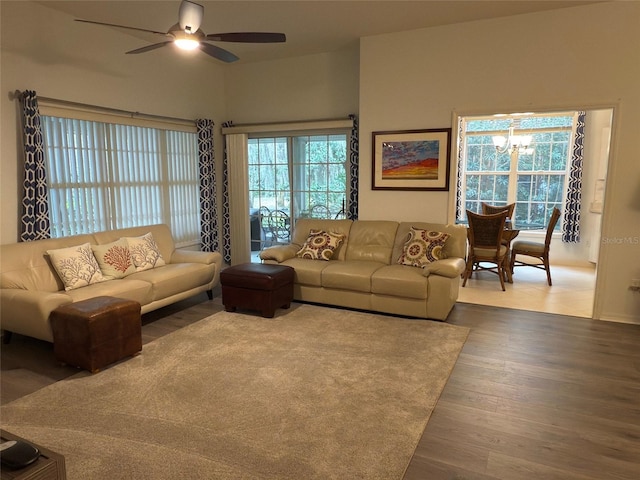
(532, 396)
(536, 396)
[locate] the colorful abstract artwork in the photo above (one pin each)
(411, 160)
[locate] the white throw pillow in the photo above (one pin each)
(145, 252)
(114, 259)
(76, 266)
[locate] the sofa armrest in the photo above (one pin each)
(27, 311)
(194, 256)
(447, 267)
(279, 253)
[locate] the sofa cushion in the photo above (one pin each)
(320, 245)
(145, 252)
(120, 287)
(26, 265)
(423, 247)
(76, 266)
(371, 240)
(114, 259)
(307, 272)
(350, 275)
(400, 281)
(175, 278)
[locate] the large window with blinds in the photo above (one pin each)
(105, 175)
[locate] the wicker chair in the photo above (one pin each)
(488, 209)
(536, 249)
(485, 245)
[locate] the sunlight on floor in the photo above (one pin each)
(572, 291)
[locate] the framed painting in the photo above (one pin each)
(411, 160)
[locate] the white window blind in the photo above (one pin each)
(106, 175)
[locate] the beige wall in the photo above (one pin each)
(582, 57)
(46, 51)
(313, 87)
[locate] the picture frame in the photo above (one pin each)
(411, 160)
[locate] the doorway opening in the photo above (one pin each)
(529, 166)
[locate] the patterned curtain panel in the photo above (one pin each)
(226, 215)
(208, 208)
(35, 224)
(354, 159)
(460, 173)
(571, 224)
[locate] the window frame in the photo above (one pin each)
(173, 191)
(296, 192)
(458, 204)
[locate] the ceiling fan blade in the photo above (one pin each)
(190, 15)
(248, 37)
(217, 52)
(121, 26)
(150, 47)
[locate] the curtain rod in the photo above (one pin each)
(17, 94)
(291, 126)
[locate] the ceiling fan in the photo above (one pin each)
(187, 35)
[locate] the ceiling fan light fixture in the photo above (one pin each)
(186, 43)
(186, 34)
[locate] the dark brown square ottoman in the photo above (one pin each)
(96, 332)
(257, 286)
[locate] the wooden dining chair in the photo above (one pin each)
(536, 249)
(485, 245)
(488, 209)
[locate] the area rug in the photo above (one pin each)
(314, 393)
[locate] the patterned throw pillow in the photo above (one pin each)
(76, 266)
(144, 252)
(320, 245)
(422, 247)
(114, 259)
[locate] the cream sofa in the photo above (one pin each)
(364, 274)
(30, 288)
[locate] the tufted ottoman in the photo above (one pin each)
(257, 286)
(95, 332)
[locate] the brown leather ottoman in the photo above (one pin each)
(257, 286)
(95, 332)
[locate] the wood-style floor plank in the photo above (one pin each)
(532, 396)
(544, 396)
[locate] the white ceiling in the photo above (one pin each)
(311, 26)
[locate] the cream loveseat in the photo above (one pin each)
(364, 273)
(31, 288)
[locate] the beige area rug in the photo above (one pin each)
(314, 393)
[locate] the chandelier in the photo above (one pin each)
(513, 143)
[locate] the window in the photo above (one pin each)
(532, 176)
(302, 176)
(106, 176)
